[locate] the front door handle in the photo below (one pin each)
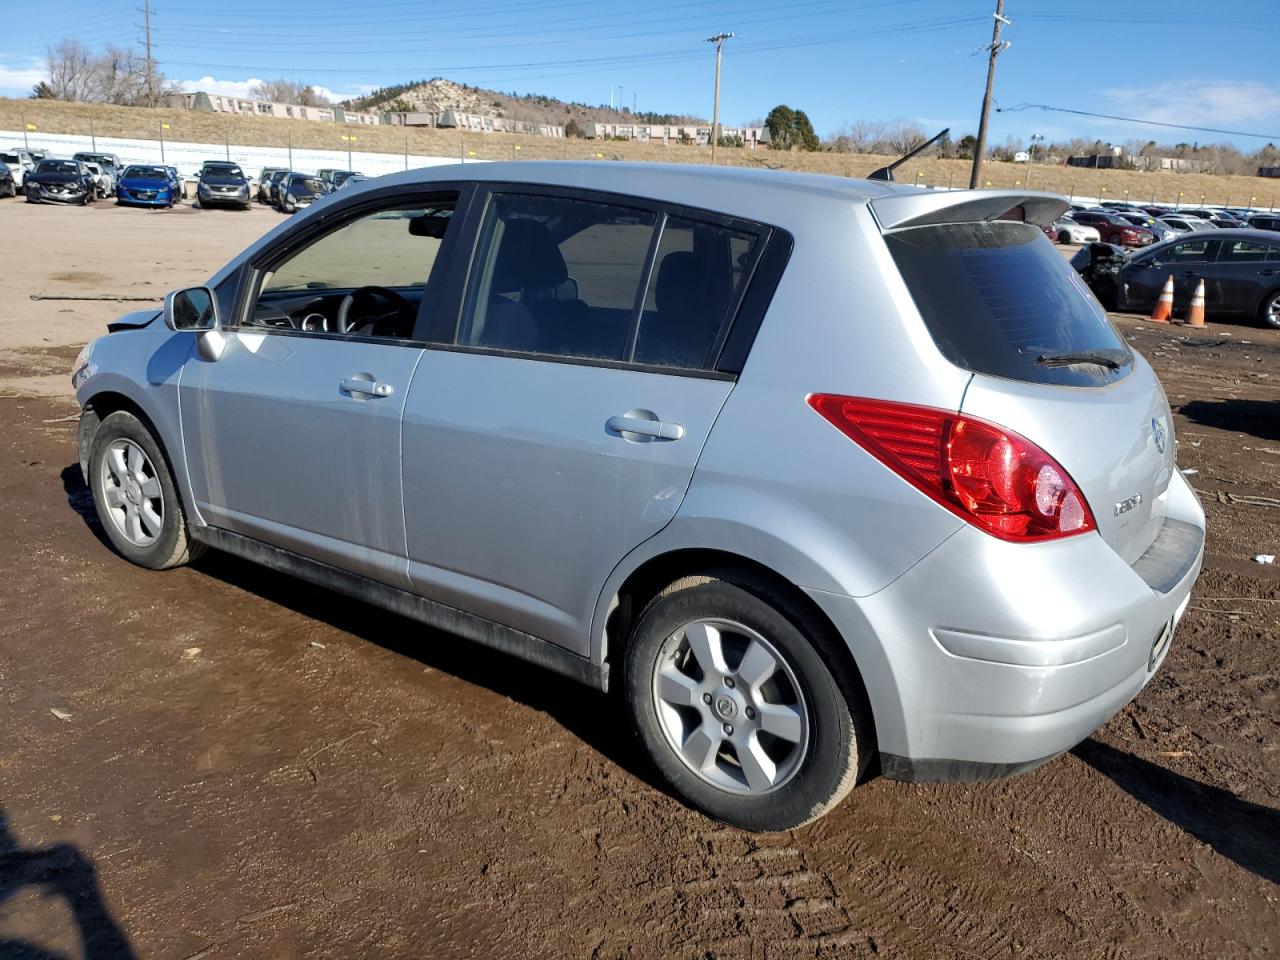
(1266, 273)
(632, 427)
(366, 388)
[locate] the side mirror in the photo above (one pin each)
(195, 309)
(191, 309)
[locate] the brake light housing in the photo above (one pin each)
(991, 477)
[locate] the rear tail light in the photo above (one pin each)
(989, 476)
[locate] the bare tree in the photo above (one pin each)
(71, 68)
(287, 91)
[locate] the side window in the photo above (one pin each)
(557, 276)
(698, 275)
(1192, 251)
(367, 278)
(1244, 251)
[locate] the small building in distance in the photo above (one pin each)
(246, 107)
(699, 134)
(1269, 171)
(449, 119)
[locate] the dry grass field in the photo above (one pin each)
(141, 123)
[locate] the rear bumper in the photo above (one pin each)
(989, 658)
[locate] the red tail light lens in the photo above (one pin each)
(989, 476)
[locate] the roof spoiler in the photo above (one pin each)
(920, 208)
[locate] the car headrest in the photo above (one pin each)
(677, 280)
(528, 258)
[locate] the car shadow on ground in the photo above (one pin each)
(1261, 418)
(597, 719)
(62, 871)
(1246, 833)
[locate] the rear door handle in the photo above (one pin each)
(367, 388)
(644, 427)
(1266, 273)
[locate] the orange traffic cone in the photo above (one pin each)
(1164, 306)
(1195, 314)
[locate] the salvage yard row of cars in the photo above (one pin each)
(1131, 225)
(87, 177)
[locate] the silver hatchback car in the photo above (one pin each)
(826, 476)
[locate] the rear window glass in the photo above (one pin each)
(999, 299)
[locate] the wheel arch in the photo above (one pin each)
(100, 405)
(655, 572)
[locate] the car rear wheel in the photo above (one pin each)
(743, 703)
(134, 493)
(1270, 312)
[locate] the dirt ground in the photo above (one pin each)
(219, 762)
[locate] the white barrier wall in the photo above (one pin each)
(188, 157)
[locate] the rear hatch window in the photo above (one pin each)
(999, 299)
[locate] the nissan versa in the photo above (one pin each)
(819, 473)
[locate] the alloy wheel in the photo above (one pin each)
(132, 491)
(730, 706)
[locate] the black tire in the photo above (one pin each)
(1269, 312)
(172, 546)
(1064, 237)
(840, 742)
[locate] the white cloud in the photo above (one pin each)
(1223, 103)
(243, 88)
(17, 81)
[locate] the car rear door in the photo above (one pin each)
(1244, 271)
(292, 435)
(561, 425)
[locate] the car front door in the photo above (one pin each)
(292, 435)
(1187, 261)
(561, 427)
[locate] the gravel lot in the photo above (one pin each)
(219, 762)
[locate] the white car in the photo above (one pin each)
(103, 179)
(20, 163)
(1182, 223)
(1066, 230)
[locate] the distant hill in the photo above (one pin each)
(441, 94)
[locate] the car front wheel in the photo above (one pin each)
(1270, 312)
(744, 703)
(134, 493)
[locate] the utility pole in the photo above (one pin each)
(146, 12)
(997, 48)
(719, 40)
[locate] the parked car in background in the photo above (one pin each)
(223, 184)
(326, 175)
(178, 184)
(1185, 224)
(109, 166)
(1157, 212)
(341, 177)
(1113, 228)
(104, 183)
(60, 181)
(1067, 230)
(20, 163)
(1240, 269)
(299, 190)
(1217, 217)
(1161, 230)
(1265, 221)
(8, 186)
(263, 193)
(146, 185)
(273, 186)
(965, 545)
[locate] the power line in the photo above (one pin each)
(1153, 123)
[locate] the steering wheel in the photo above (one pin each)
(401, 309)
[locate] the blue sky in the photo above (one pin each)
(1179, 61)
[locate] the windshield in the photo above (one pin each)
(999, 299)
(222, 171)
(306, 187)
(9, 158)
(58, 166)
(145, 173)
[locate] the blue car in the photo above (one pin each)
(146, 186)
